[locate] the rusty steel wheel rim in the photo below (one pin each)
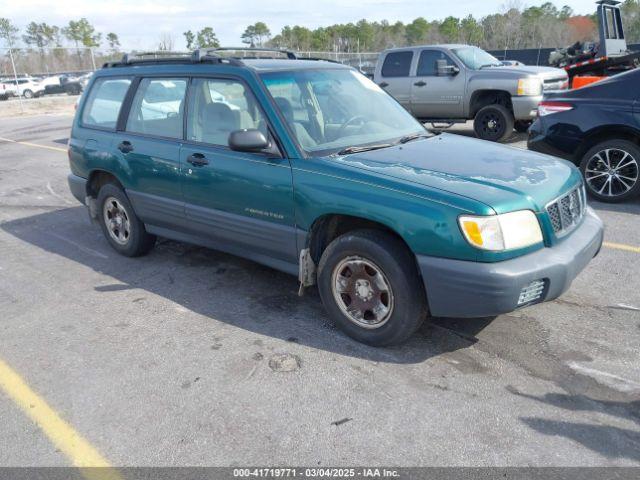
(362, 292)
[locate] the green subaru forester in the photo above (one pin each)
(310, 168)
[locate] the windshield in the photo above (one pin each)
(475, 58)
(330, 110)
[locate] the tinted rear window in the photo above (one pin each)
(397, 64)
(103, 104)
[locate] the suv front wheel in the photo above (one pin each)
(120, 225)
(369, 284)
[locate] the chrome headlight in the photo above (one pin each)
(507, 231)
(530, 86)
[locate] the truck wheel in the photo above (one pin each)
(120, 225)
(611, 171)
(493, 123)
(521, 126)
(369, 284)
(27, 94)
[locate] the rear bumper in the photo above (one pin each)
(78, 187)
(525, 108)
(458, 288)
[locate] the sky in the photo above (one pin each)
(140, 23)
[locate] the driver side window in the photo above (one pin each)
(427, 64)
(218, 107)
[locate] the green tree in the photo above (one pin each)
(256, 34)
(471, 30)
(82, 33)
(416, 31)
(190, 38)
(8, 32)
(206, 38)
(113, 41)
(39, 35)
(450, 29)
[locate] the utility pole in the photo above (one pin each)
(15, 77)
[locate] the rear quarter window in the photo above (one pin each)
(104, 102)
(397, 64)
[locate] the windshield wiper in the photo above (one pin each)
(488, 65)
(413, 136)
(363, 148)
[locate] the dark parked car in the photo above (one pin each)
(597, 128)
(68, 85)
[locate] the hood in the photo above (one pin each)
(503, 178)
(543, 72)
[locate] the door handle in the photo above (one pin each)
(420, 84)
(197, 160)
(125, 146)
(383, 84)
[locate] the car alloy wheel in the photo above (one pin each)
(611, 172)
(362, 292)
(116, 220)
(28, 94)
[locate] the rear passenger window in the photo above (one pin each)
(218, 107)
(397, 64)
(104, 101)
(158, 107)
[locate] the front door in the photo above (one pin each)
(433, 95)
(150, 147)
(243, 201)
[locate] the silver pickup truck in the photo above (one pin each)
(454, 83)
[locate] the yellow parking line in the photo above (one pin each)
(59, 432)
(622, 246)
(28, 144)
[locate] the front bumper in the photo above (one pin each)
(457, 288)
(525, 107)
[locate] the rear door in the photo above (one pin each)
(395, 75)
(240, 202)
(150, 147)
(433, 95)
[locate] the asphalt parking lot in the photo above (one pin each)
(192, 357)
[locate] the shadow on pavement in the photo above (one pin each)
(612, 442)
(225, 288)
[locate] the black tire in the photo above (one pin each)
(494, 123)
(27, 94)
(406, 298)
(522, 126)
(135, 241)
(625, 183)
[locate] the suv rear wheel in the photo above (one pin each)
(494, 123)
(120, 225)
(369, 284)
(611, 170)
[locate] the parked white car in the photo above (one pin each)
(7, 90)
(29, 87)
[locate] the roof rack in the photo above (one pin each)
(288, 53)
(201, 55)
(163, 57)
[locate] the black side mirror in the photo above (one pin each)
(444, 69)
(248, 140)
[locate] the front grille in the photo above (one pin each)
(566, 212)
(552, 84)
